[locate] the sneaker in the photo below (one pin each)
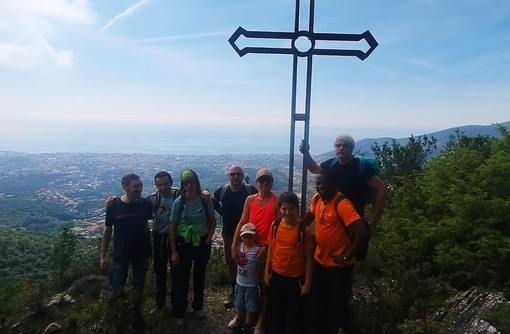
(156, 309)
(234, 325)
(257, 330)
(229, 301)
(199, 315)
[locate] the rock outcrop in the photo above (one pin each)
(467, 311)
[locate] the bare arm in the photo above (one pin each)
(380, 199)
(308, 218)
(109, 201)
(105, 242)
(312, 166)
(244, 219)
(173, 245)
(269, 262)
(358, 233)
(307, 286)
(212, 228)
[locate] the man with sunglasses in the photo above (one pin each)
(228, 201)
(261, 210)
(351, 178)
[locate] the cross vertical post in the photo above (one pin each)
(312, 37)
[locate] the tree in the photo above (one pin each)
(399, 161)
(60, 261)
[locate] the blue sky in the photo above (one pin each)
(160, 77)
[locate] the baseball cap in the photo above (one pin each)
(263, 172)
(248, 228)
(187, 175)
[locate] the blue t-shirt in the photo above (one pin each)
(131, 234)
(192, 214)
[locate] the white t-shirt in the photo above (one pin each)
(248, 268)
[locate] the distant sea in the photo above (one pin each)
(245, 139)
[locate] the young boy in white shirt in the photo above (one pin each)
(247, 283)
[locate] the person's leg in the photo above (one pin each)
(240, 306)
(118, 275)
(333, 298)
(231, 267)
(251, 301)
(263, 297)
(200, 260)
(344, 286)
(139, 269)
(277, 305)
(172, 278)
(160, 266)
(324, 295)
(181, 275)
(293, 306)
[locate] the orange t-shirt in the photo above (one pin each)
(332, 238)
(262, 217)
(288, 255)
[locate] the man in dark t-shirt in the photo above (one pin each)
(345, 170)
(127, 219)
(229, 201)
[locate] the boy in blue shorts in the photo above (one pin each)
(247, 283)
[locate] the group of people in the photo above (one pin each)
(284, 275)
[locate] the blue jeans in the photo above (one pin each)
(119, 273)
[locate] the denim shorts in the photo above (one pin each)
(247, 298)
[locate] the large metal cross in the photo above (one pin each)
(309, 37)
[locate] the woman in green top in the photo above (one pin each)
(192, 225)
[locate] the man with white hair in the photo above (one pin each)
(351, 175)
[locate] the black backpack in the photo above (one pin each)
(301, 230)
(362, 252)
(157, 195)
(225, 187)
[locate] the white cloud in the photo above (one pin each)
(29, 30)
(125, 14)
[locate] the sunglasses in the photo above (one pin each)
(265, 179)
(236, 174)
(342, 145)
(188, 182)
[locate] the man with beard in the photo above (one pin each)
(129, 217)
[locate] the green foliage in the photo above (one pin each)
(22, 254)
(8, 296)
(63, 247)
(216, 268)
(448, 226)
(71, 257)
(398, 161)
(500, 318)
(107, 315)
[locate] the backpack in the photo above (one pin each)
(366, 163)
(225, 187)
(301, 230)
(362, 252)
(158, 196)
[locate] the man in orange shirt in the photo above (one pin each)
(339, 233)
(288, 268)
